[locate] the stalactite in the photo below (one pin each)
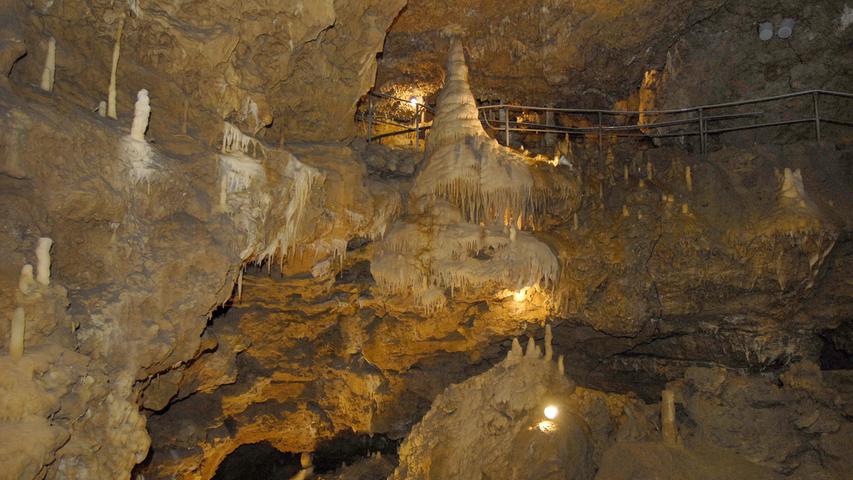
(233, 140)
(111, 95)
(47, 75)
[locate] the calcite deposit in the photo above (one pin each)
(209, 271)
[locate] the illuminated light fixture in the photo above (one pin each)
(520, 295)
(414, 101)
(551, 412)
(546, 426)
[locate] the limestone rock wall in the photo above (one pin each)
(293, 70)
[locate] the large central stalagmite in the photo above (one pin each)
(467, 206)
(465, 166)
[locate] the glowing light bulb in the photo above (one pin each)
(414, 101)
(551, 412)
(520, 295)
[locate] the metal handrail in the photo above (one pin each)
(699, 116)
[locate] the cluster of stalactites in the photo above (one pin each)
(238, 171)
(233, 140)
(285, 232)
(448, 261)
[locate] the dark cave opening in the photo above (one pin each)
(263, 461)
(258, 461)
(347, 447)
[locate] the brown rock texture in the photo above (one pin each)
(246, 271)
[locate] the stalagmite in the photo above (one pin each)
(549, 350)
(16, 333)
(26, 283)
(560, 365)
(625, 212)
(688, 177)
(793, 190)
(532, 351)
(186, 117)
(134, 150)
(515, 349)
(307, 462)
(649, 171)
(513, 234)
(669, 430)
(111, 95)
(43, 260)
(102, 108)
(240, 285)
(141, 111)
(625, 173)
(47, 75)
(685, 209)
(575, 224)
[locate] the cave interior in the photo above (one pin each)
(426, 240)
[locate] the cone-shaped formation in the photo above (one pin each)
(464, 166)
(456, 114)
(472, 195)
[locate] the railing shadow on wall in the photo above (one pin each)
(702, 121)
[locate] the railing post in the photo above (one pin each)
(816, 116)
(702, 145)
(506, 124)
(417, 125)
(600, 138)
(369, 118)
(550, 121)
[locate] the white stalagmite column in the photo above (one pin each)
(26, 283)
(111, 95)
(688, 177)
(43, 259)
(141, 111)
(102, 108)
(47, 75)
(16, 334)
(575, 223)
(669, 430)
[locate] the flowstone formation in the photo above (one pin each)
(469, 207)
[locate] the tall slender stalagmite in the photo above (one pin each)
(111, 95)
